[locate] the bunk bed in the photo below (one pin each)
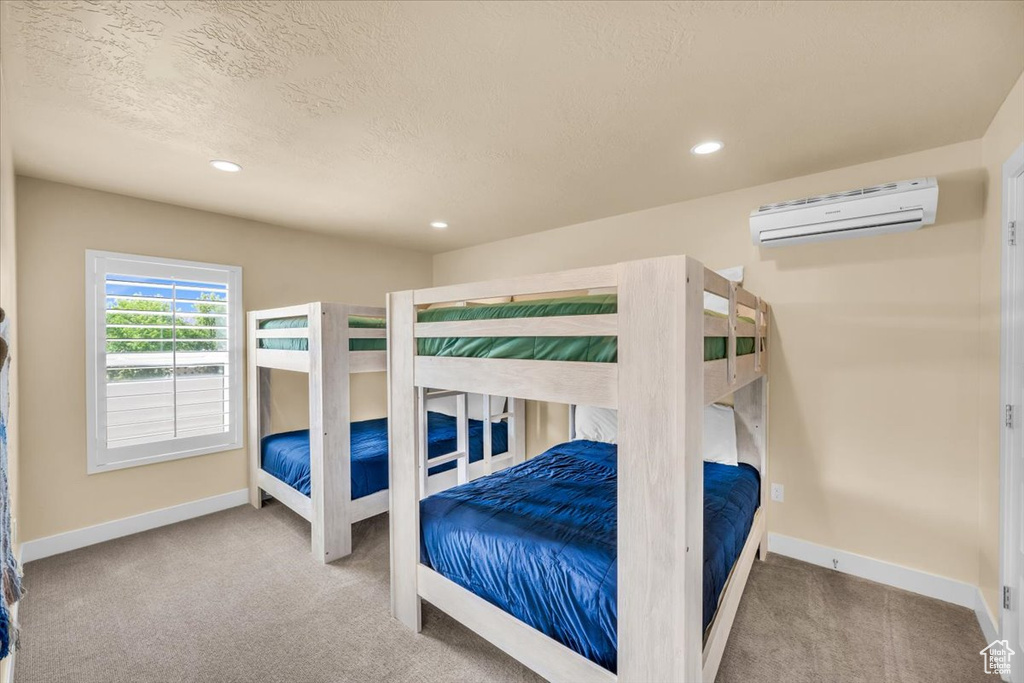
(336, 472)
(588, 561)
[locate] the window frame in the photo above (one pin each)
(97, 266)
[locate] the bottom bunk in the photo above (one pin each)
(539, 541)
(285, 456)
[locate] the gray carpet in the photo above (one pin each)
(236, 596)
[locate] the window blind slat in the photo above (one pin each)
(128, 281)
(167, 359)
(153, 326)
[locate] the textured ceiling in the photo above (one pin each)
(372, 119)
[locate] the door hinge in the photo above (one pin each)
(1006, 597)
(1012, 232)
(1009, 416)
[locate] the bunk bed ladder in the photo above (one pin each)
(461, 453)
(515, 453)
(462, 437)
(423, 442)
(517, 430)
(487, 435)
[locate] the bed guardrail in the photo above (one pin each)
(590, 383)
(298, 360)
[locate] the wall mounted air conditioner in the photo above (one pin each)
(893, 207)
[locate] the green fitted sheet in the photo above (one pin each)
(285, 344)
(589, 349)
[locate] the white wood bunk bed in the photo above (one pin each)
(328, 361)
(660, 384)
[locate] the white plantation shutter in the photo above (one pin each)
(164, 342)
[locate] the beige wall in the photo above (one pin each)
(56, 224)
(874, 374)
(8, 301)
(1005, 134)
(8, 290)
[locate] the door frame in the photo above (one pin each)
(1012, 182)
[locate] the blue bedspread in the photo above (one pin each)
(286, 455)
(539, 540)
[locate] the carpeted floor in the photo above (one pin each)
(236, 596)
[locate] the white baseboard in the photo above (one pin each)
(80, 538)
(987, 622)
(913, 580)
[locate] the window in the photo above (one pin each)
(164, 359)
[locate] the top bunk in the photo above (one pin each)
(296, 337)
(559, 337)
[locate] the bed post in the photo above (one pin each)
(258, 380)
(517, 430)
(329, 427)
(660, 474)
(402, 438)
(764, 316)
(751, 406)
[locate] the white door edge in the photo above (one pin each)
(1011, 438)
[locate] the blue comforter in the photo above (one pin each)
(286, 455)
(539, 540)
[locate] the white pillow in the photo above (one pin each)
(597, 424)
(601, 424)
(713, 302)
(720, 435)
(448, 405)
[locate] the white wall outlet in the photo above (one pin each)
(778, 493)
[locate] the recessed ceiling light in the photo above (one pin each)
(709, 147)
(440, 225)
(228, 166)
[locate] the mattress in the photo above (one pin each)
(588, 349)
(538, 540)
(286, 455)
(299, 321)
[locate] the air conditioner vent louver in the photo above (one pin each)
(888, 187)
(884, 208)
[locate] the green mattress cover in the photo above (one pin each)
(285, 344)
(588, 349)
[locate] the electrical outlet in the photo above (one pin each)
(778, 493)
